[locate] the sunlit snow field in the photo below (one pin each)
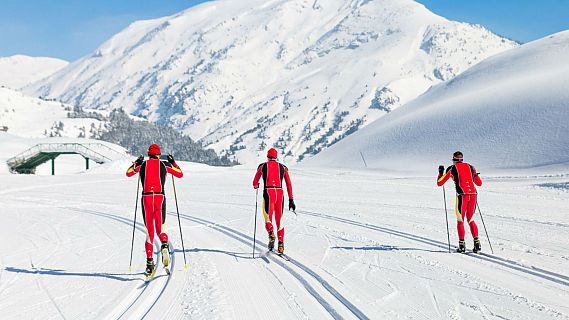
(364, 244)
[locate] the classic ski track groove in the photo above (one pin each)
(530, 270)
(242, 238)
(140, 227)
(527, 269)
(239, 236)
(135, 299)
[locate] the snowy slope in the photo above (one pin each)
(510, 111)
(32, 117)
(19, 70)
(296, 74)
(66, 248)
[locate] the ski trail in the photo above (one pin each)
(245, 239)
(530, 270)
(38, 274)
(230, 233)
(44, 289)
(136, 302)
(54, 185)
(433, 298)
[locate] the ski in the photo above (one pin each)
(281, 255)
(150, 276)
(167, 258)
(468, 252)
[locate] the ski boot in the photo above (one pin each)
(150, 268)
(281, 247)
(461, 246)
(477, 247)
(271, 245)
(165, 250)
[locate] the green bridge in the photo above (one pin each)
(27, 161)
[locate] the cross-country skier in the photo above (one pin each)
(273, 173)
(152, 177)
(465, 177)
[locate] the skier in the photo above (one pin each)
(152, 177)
(465, 177)
(273, 173)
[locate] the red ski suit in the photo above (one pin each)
(273, 173)
(465, 177)
(153, 177)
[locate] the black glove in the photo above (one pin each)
(441, 170)
(139, 160)
(291, 205)
(170, 158)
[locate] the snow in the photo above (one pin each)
(19, 71)
(296, 74)
(49, 118)
(363, 244)
(368, 241)
(509, 112)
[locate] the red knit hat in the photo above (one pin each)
(154, 150)
(272, 153)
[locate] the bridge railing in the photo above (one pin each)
(84, 149)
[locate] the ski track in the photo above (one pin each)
(143, 308)
(454, 313)
(246, 240)
(239, 236)
(38, 277)
(52, 252)
(138, 304)
(531, 270)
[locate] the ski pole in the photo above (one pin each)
(179, 223)
(486, 231)
(134, 223)
(255, 229)
(446, 217)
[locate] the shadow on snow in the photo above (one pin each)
(57, 272)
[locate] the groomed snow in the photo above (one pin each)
(508, 112)
(362, 245)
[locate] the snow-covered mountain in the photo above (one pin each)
(510, 111)
(32, 117)
(19, 70)
(295, 74)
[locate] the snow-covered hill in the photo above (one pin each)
(31, 117)
(19, 70)
(296, 74)
(510, 111)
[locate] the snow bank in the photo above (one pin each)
(508, 112)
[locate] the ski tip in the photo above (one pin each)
(186, 266)
(129, 268)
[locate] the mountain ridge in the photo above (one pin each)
(294, 74)
(508, 112)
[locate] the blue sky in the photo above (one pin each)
(520, 20)
(70, 29)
